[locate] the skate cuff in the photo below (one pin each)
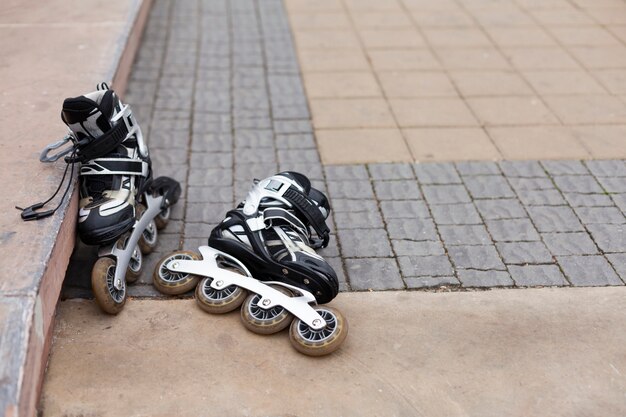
(310, 211)
(115, 166)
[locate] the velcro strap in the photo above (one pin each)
(115, 166)
(310, 211)
(271, 215)
(103, 144)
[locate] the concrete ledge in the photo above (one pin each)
(50, 51)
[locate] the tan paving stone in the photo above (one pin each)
(520, 36)
(502, 111)
(472, 58)
(391, 38)
(314, 5)
(600, 57)
(545, 142)
(563, 82)
(609, 15)
(350, 113)
(432, 112)
(430, 5)
(459, 37)
(619, 31)
(373, 5)
(588, 109)
(381, 19)
(341, 85)
(326, 38)
(490, 83)
(443, 18)
(416, 84)
(540, 58)
(324, 60)
(403, 59)
(504, 14)
(562, 17)
(543, 4)
(614, 80)
(585, 36)
(603, 142)
(351, 146)
(451, 144)
(320, 20)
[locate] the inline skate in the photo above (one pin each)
(265, 247)
(121, 206)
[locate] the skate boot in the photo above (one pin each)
(265, 247)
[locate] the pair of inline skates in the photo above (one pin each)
(121, 205)
(262, 258)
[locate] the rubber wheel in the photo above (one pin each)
(135, 266)
(163, 218)
(174, 283)
(265, 321)
(108, 298)
(319, 342)
(148, 240)
(219, 301)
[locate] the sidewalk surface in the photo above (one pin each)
(464, 145)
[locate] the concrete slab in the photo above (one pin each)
(492, 353)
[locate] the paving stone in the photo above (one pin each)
(210, 177)
(299, 155)
(361, 220)
(473, 278)
(206, 212)
(391, 171)
(537, 275)
(258, 138)
(397, 190)
(211, 160)
(364, 243)
(500, 209)
(554, 219)
(311, 170)
(522, 169)
(577, 243)
(477, 168)
(588, 271)
(588, 200)
(515, 230)
(620, 201)
(340, 205)
(202, 230)
(464, 235)
(265, 156)
(609, 237)
(475, 257)
(524, 252)
(436, 173)
(218, 194)
(599, 215)
(295, 141)
(337, 264)
(526, 184)
(412, 229)
(565, 167)
(425, 266)
(346, 172)
(292, 126)
(374, 274)
(585, 184)
(445, 194)
(613, 184)
(541, 197)
(610, 168)
(332, 250)
(360, 189)
(404, 209)
(455, 214)
(413, 248)
(248, 172)
(488, 186)
(618, 260)
(431, 282)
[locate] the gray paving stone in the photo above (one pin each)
(337, 264)
(588, 200)
(600, 215)
(588, 271)
(295, 141)
(299, 155)
(446, 194)
(524, 252)
(425, 266)
(613, 184)
(526, 184)
(405, 209)
(332, 250)
(537, 275)
(413, 248)
(515, 230)
(292, 126)
(577, 243)
(431, 282)
(374, 274)
(412, 229)
(218, 194)
(311, 170)
(473, 278)
(364, 243)
(436, 173)
(397, 190)
(202, 230)
(361, 220)
(554, 219)
(340, 205)
(346, 172)
(522, 169)
(564, 167)
(464, 235)
(352, 190)
(210, 177)
(249, 171)
(584, 184)
(488, 186)
(500, 209)
(620, 201)
(618, 260)
(455, 214)
(391, 172)
(477, 168)
(609, 237)
(541, 197)
(210, 160)
(212, 213)
(475, 257)
(609, 168)
(258, 138)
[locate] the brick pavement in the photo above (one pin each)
(217, 88)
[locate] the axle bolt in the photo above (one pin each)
(266, 302)
(220, 283)
(317, 322)
(285, 271)
(306, 281)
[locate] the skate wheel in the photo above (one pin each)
(148, 240)
(218, 301)
(174, 283)
(319, 342)
(162, 218)
(110, 299)
(135, 266)
(265, 321)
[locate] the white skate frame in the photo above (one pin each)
(207, 267)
